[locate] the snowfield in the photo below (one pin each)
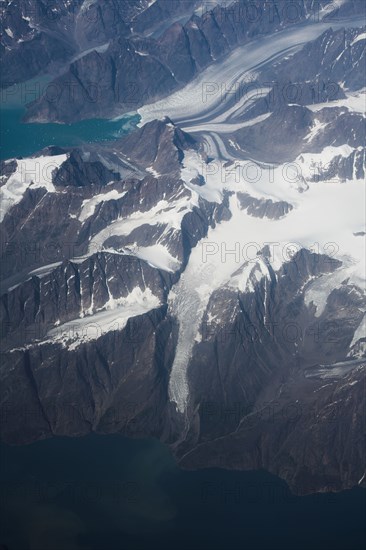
(323, 220)
(30, 173)
(89, 205)
(112, 317)
(325, 217)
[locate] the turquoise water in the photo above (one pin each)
(112, 493)
(20, 140)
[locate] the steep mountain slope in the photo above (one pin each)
(39, 36)
(201, 280)
(96, 85)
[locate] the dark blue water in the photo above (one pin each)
(112, 493)
(108, 492)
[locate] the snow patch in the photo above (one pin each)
(89, 205)
(165, 213)
(354, 102)
(112, 317)
(31, 173)
(153, 172)
(360, 331)
(157, 256)
(361, 36)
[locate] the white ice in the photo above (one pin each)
(323, 220)
(31, 173)
(89, 205)
(112, 317)
(354, 102)
(211, 93)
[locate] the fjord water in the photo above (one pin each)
(22, 140)
(18, 139)
(112, 493)
(108, 492)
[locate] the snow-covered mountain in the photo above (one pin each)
(201, 280)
